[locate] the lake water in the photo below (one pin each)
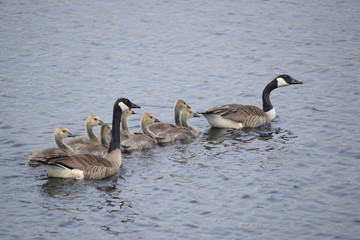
(298, 178)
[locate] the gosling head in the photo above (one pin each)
(286, 80)
(128, 112)
(189, 113)
(181, 104)
(93, 120)
(149, 118)
(62, 132)
(123, 104)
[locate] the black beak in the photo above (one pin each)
(157, 120)
(133, 105)
(294, 81)
(101, 122)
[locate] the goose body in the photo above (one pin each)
(239, 116)
(144, 140)
(90, 166)
(182, 132)
(159, 127)
(61, 149)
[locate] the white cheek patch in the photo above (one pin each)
(123, 106)
(281, 82)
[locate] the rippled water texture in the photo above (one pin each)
(297, 178)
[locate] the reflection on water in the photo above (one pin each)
(246, 137)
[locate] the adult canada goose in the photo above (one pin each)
(144, 140)
(61, 149)
(185, 131)
(241, 116)
(91, 121)
(89, 166)
(159, 127)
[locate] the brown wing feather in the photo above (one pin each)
(45, 154)
(249, 116)
(80, 161)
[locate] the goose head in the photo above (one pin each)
(93, 121)
(181, 104)
(62, 132)
(286, 80)
(123, 104)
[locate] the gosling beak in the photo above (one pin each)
(188, 106)
(196, 115)
(157, 120)
(70, 134)
(132, 112)
(101, 122)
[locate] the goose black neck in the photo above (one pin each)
(267, 106)
(115, 135)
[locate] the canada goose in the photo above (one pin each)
(144, 140)
(179, 105)
(61, 149)
(241, 116)
(183, 132)
(89, 166)
(125, 132)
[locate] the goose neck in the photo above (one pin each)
(60, 144)
(124, 125)
(145, 128)
(183, 121)
(267, 106)
(103, 138)
(91, 134)
(115, 134)
(177, 111)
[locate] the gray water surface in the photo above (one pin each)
(297, 178)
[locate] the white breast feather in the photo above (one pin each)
(220, 122)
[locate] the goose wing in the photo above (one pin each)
(80, 161)
(45, 154)
(248, 115)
